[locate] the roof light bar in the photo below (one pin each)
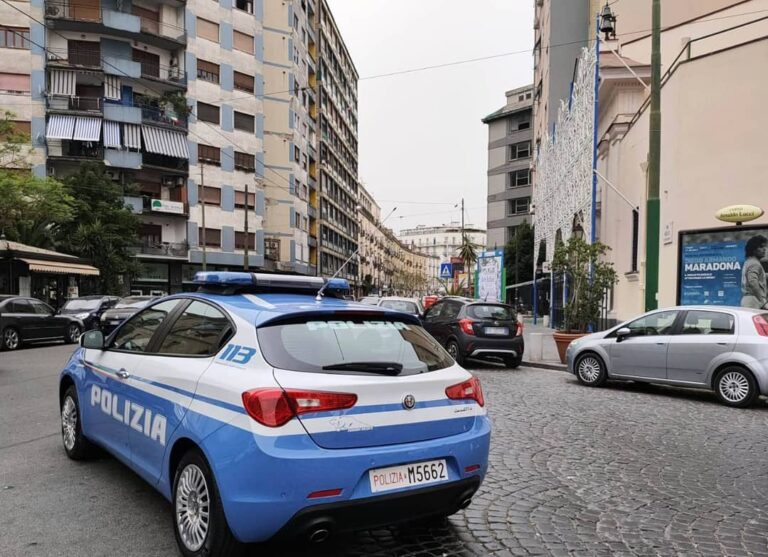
(266, 282)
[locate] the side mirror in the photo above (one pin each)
(92, 339)
(623, 333)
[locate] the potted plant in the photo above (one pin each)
(588, 277)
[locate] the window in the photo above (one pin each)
(207, 71)
(245, 122)
(243, 42)
(519, 206)
(212, 237)
(207, 30)
(240, 240)
(209, 154)
(244, 161)
(519, 178)
(41, 308)
(17, 127)
(14, 37)
(652, 325)
(201, 330)
(520, 150)
(150, 63)
(19, 306)
(707, 323)
(240, 200)
(635, 239)
(296, 154)
(451, 311)
(243, 82)
(14, 83)
(317, 346)
(137, 333)
(208, 113)
(245, 5)
(212, 195)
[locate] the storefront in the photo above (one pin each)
(47, 275)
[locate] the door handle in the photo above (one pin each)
(661, 344)
(122, 374)
(723, 343)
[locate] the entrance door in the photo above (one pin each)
(84, 53)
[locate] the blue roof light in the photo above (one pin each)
(338, 284)
(225, 278)
(265, 282)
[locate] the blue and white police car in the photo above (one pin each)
(262, 408)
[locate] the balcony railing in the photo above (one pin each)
(163, 161)
(74, 57)
(169, 249)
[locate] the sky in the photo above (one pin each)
(422, 145)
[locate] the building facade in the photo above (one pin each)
(441, 242)
(510, 152)
(336, 113)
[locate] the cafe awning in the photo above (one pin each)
(60, 268)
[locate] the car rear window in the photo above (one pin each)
(80, 304)
(400, 305)
(312, 345)
(132, 302)
(491, 311)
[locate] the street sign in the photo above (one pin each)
(446, 270)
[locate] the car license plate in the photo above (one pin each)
(496, 331)
(408, 475)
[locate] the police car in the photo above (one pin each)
(266, 406)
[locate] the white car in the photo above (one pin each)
(406, 305)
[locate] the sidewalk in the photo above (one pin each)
(540, 349)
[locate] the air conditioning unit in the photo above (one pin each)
(113, 175)
(53, 10)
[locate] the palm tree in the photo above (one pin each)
(468, 253)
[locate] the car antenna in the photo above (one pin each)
(319, 296)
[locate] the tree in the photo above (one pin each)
(588, 276)
(468, 253)
(518, 255)
(103, 229)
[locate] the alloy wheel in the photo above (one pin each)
(11, 339)
(74, 333)
(589, 369)
(192, 507)
(453, 350)
(69, 422)
(734, 386)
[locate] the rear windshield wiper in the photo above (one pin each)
(383, 368)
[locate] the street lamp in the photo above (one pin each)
(608, 22)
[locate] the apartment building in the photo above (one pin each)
(510, 154)
(336, 110)
(290, 136)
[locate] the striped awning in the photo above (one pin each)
(165, 142)
(112, 134)
(60, 127)
(112, 86)
(87, 129)
(131, 136)
(60, 268)
(62, 83)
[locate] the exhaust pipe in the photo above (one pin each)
(465, 503)
(319, 534)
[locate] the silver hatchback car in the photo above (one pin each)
(724, 349)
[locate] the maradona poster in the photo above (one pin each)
(724, 266)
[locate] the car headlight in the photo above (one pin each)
(82, 315)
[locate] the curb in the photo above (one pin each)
(546, 365)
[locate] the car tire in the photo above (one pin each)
(194, 493)
(73, 333)
(11, 339)
(736, 387)
(513, 362)
(76, 445)
(454, 350)
(590, 370)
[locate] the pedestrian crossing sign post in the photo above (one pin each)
(446, 270)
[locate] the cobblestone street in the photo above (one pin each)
(623, 470)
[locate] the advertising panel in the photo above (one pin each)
(723, 266)
(490, 276)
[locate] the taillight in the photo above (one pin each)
(466, 326)
(761, 325)
(468, 390)
(276, 407)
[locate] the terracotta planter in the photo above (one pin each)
(562, 340)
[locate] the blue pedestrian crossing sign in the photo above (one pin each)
(446, 270)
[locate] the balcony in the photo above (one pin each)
(166, 163)
(312, 212)
(161, 249)
(89, 105)
(88, 16)
(312, 242)
(122, 159)
(122, 113)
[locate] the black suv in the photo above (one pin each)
(24, 319)
(88, 309)
(475, 329)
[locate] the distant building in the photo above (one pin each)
(509, 166)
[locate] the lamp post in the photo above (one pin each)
(653, 203)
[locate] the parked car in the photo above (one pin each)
(269, 417)
(122, 310)
(724, 349)
(372, 300)
(88, 309)
(479, 330)
(28, 320)
(406, 305)
(429, 301)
